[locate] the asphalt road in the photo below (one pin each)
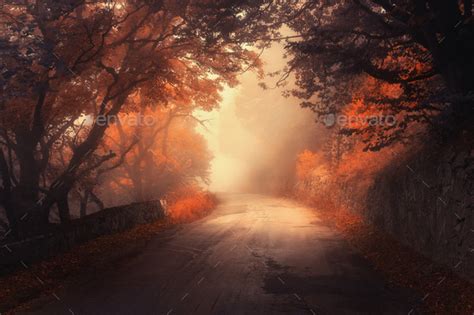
(253, 255)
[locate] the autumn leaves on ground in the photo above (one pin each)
(98, 255)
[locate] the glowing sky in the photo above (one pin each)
(253, 132)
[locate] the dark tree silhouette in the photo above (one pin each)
(425, 48)
(66, 60)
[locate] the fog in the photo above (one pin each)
(257, 133)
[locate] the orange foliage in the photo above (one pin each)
(358, 162)
(319, 181)
(361, 109)
(169, 153)
(189, 203)
(354, 161)
(321, 175)
(307, 162)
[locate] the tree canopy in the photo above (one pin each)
(65, 62)
(414, 59)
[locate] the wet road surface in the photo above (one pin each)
(253, 255)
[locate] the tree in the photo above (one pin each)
(166, 155)
(422, 48)
(67, 60)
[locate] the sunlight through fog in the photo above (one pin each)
(250, 135)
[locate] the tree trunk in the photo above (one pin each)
(97, 200)
(27, 217)
(5, 193)
(63, 209)
(137, 182)
(22, 207)
(83, 204)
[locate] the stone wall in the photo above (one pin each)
(426, 200)
(63, 237)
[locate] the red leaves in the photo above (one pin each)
(190, 203)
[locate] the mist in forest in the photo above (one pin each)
(252, 134)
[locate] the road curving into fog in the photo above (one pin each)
(253, 255)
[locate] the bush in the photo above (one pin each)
(190, 203)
